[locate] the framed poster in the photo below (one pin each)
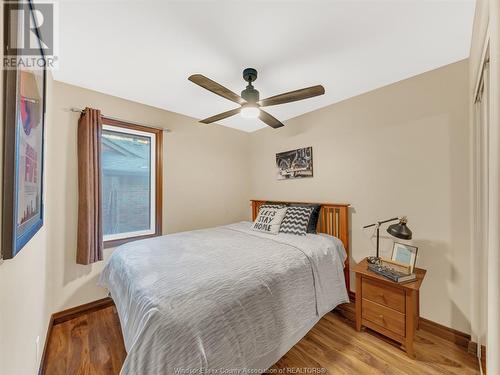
(294, 164)
(24, 106)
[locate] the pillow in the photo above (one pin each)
(269, 219)
(313, 220)
(296, 220)
(272, 205)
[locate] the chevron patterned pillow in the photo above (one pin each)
(296, 220)
(271, 205)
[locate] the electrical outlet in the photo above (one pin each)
(37, 342)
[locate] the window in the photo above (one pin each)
(131, 182)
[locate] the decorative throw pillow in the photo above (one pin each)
(269, 219)
(313, 220)
(272, 205)
(296, 220)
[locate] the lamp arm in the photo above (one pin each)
(381, 222)
(378, 224)
(388, 220)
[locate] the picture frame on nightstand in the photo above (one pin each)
(404, 254)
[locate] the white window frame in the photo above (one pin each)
(152, 196)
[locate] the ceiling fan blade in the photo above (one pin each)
(216, 88)
(221, 116)
(270, 120)
(293, 96)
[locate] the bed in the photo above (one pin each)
(225, 298)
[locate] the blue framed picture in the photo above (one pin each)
(24, 119)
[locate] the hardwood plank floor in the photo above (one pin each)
(93, 344)
(89, 344)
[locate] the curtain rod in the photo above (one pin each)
(80, 110)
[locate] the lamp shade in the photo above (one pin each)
(400, 230)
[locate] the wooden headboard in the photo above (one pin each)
(333, 220)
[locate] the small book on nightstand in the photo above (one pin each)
(397, 277)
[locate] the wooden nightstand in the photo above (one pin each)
(387, 307)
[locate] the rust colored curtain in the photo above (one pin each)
(90, 242)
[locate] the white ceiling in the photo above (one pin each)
(145, 50)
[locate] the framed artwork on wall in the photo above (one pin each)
(24, 106)
(294, 164)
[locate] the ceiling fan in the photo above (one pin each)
(250, 105)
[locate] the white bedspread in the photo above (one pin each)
(221, 298)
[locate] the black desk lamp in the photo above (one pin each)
(399, 230)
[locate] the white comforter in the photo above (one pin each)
(221, 298)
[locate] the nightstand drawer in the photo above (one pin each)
(384, 295)
(388, 318)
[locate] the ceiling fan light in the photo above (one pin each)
(250, 112)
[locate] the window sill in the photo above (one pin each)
(121, 241)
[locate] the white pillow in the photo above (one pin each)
(269, 220)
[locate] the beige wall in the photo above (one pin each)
(398, 150)
(205, 184)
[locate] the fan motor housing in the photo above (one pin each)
(250, 94)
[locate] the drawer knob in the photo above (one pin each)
(381, 316)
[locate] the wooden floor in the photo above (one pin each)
(93, 344)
